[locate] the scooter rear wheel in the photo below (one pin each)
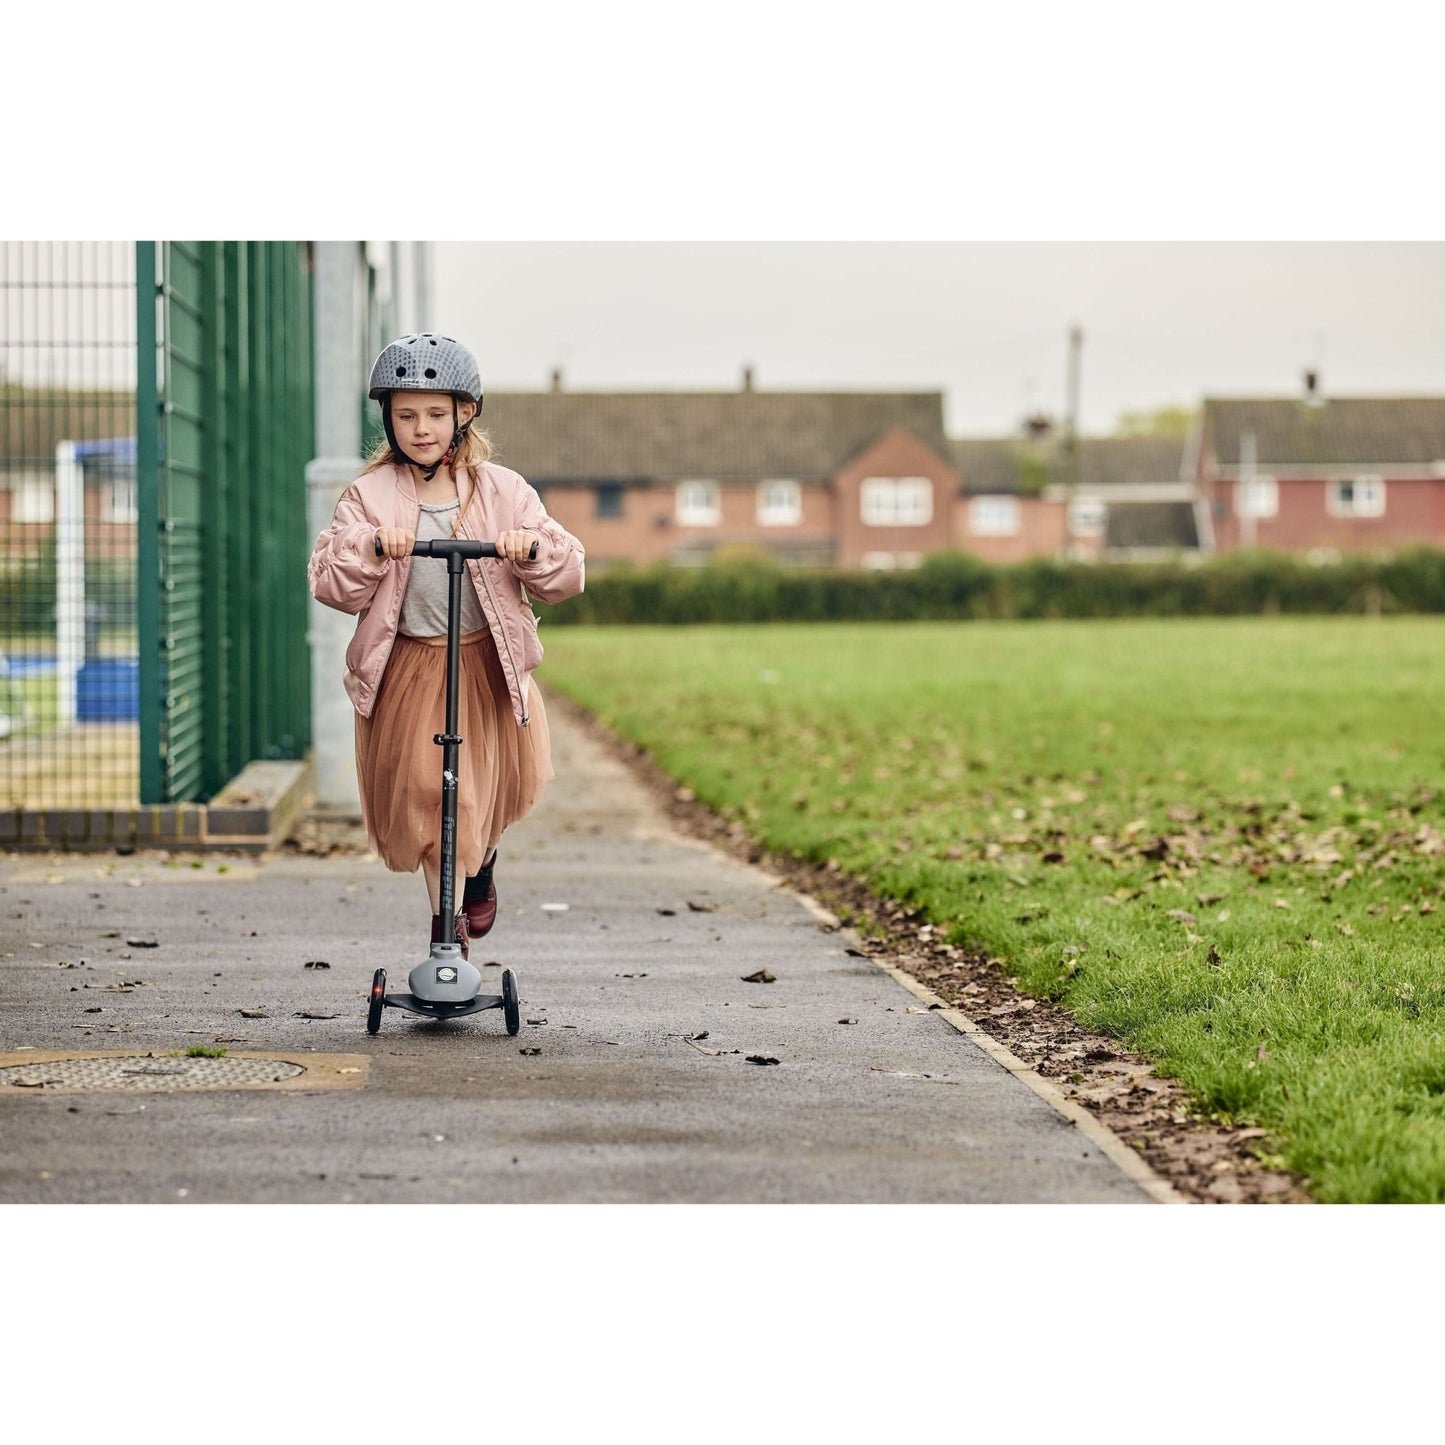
(511, 1006)
(378, 996)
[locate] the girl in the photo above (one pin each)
(433, 477)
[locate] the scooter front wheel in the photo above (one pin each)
(511, 1006)
(378, 997)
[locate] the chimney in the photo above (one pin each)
(556, 378)
(747, 378)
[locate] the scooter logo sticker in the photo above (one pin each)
(446, 974)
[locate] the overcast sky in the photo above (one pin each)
(984, 322)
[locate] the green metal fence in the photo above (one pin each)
(67, 528)
(224, 432)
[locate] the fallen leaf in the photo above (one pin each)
(142, 943)
(252, 1013)
(702, 907)
(316, 963)
(530, 1053)
(1181, 916)
(307, 1014)
(761, 976)
(668, 912)
(1213, 957)
(847, 1021)
(762, 1059)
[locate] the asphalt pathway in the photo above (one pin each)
(631, 1079)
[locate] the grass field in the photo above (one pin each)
(1219, 840)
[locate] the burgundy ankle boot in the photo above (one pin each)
(462, 933)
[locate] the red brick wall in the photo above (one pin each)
(1414, 514)
(1042, 532)
(648, 530)
(896, 454)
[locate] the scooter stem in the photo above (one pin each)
(450, 744)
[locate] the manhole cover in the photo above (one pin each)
(146, 1073)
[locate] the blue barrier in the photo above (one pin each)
(107, 689)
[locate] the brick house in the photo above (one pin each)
(1113, 497)
(849, 479)
(33, 423)
(1326, 476)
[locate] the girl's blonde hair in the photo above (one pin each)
(475, 449)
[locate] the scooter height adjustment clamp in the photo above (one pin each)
(442, 739)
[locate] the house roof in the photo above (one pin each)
(1142, 461)
(587, 437)
(988, 465)
(1010, 464)
(1338, 431)
(33, 421)
(1152, 526)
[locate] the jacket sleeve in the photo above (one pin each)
(344, 569)
(560, 569)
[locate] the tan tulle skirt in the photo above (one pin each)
(503, 768)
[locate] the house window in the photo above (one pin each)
(32, 499)
(1257, 497)
(993, 516)
(697, 504)
(117, 500)
(897, 501)
(891, 561)
(780, 503)
(609, 500)
(1088, 517)
(1356, 497)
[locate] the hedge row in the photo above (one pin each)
(956, 586)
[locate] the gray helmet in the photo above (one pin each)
(426, 362)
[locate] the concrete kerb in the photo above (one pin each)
(1107, 1142)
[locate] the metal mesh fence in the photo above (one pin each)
(68, 613)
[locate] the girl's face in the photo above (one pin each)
(422, 421)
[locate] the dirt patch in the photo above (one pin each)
(1204, 1161)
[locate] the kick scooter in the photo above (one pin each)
(444, 985)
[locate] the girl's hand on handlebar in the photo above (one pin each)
(517, 546)
(396, 541)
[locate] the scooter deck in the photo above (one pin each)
(412, 1004)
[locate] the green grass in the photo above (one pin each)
(1219, 840)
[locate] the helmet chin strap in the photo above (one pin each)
(427, 473)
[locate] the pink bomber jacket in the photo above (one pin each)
(345, 572)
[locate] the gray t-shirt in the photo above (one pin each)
(424, 604)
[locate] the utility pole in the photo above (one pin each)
(1071, 428)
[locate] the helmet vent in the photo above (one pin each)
(401, 371)
(430, 373)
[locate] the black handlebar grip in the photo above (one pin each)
(425, 549)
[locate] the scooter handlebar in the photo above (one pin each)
(460, 546)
